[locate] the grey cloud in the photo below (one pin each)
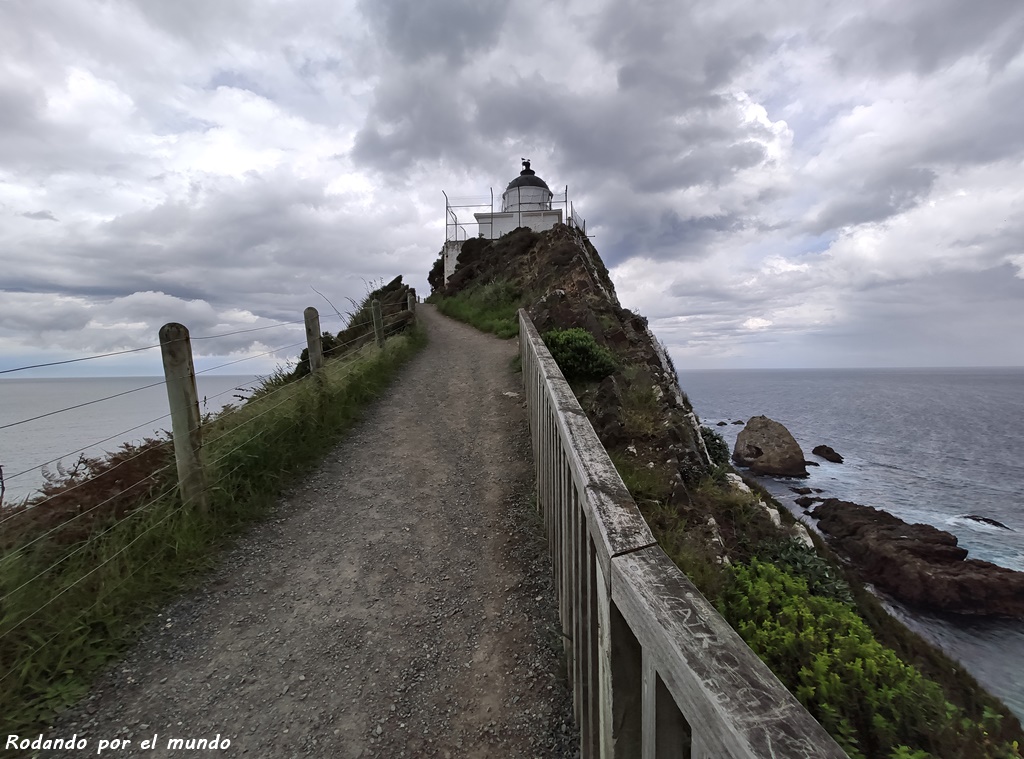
(246, 246)
(924, 37)
(197, 21)
(415, 118)
(989, 131)
(875, 198)
(450, 29)
(626, 139)
(930, 321)
(40, 215)
(238, 80)
(33, 145)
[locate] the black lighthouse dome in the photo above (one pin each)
(527, 178)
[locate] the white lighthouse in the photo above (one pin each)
(526, 202)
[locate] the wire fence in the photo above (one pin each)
(24, 471)
(72, 482)
(139, 490)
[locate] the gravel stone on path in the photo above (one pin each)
(398, 604)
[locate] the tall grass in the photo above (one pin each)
(490, 307)
(69, 606)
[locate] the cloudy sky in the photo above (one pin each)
(775, 183)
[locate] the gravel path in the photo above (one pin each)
(398, 605)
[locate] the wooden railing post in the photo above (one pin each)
(313, 343)
(378, 322)
(410, 302)
(180, 378)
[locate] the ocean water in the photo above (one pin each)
(928, 445)
(25, 447)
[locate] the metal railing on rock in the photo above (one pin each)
(656, 672)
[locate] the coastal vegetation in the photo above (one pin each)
(86, 563)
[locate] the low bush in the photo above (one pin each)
(874, 704)
(579, 355)
(718, 449)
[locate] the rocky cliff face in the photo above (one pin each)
(640, 409)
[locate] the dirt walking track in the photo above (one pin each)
(397, 605)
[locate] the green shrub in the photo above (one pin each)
(873, 703)
(821, 577)
(718, 449)
(578, 354)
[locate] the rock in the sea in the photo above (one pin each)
(919, 564)
(805, 501)
(811, 463)
(738, 421)
(722, 424)
(828, 453)
(767, 447)
(801, 491)
(986, 520)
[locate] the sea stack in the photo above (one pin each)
(767, 447)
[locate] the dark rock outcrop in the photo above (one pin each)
(738, 421)
(805, 501)
(828, 453)
(722, 424)
(801, 491)
(767, 447)
(986, 520)
(919, 564)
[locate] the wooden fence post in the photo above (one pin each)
(378, 322)
(313, 342)
(410, 302)
(180, 378)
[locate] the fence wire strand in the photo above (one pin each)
(85, 448)
(65, 523)
(151, 347)
(80, 405)
(85, 544)
(80, 614)
(76, 360)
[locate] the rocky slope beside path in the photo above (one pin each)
(399, 605)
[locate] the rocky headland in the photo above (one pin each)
(919, 564)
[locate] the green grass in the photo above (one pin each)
(490, 307)
(107, 583)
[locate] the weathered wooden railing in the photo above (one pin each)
(656, 671)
